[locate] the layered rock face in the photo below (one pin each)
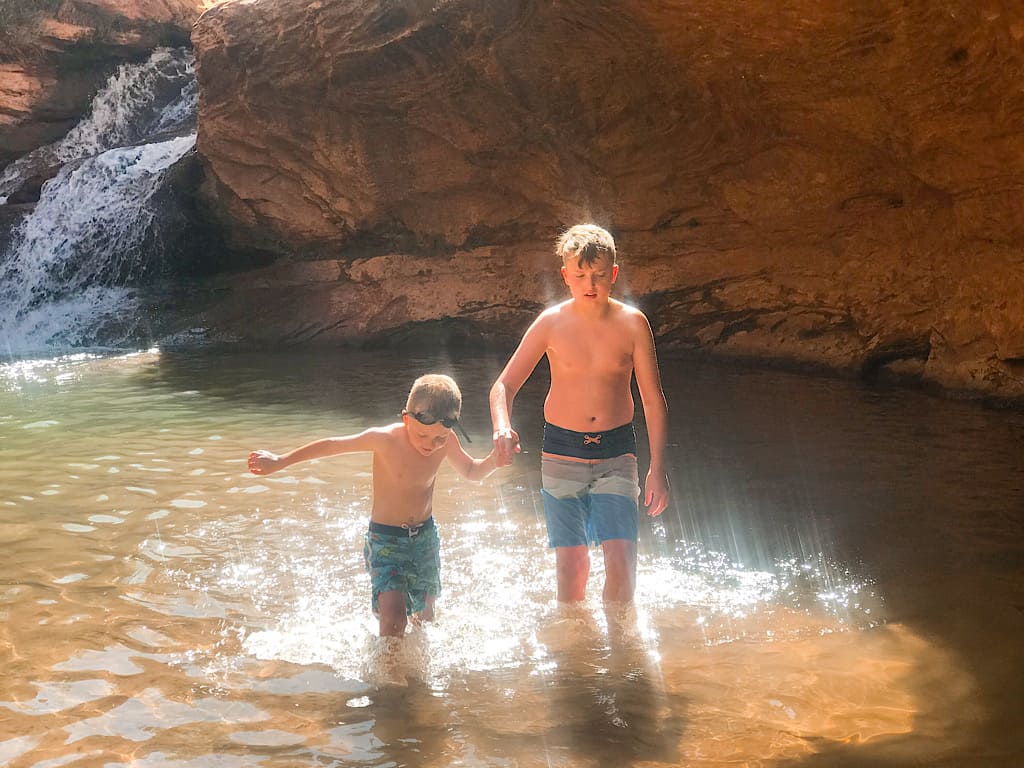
(54, 54)
(827, 183)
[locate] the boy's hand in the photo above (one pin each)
(263, 462)
(506, 443)
(655, 493)
(498, 461)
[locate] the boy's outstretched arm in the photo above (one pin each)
(264, 462)
(518, 369)
(648, 381)
(466, 465)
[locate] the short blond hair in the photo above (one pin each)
(437, 395)
(587, 242)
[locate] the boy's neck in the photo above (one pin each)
(592, 309)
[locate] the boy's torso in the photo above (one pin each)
(591, 362)
(403, 482)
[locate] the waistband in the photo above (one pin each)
(401, 530)
(589, 445)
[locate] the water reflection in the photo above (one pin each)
(833, 585)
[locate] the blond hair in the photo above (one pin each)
(587, 242)
(437, 395)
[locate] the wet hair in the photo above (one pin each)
(587, 241)
(437, 395)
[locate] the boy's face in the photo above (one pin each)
(425, 438)
(590, 282)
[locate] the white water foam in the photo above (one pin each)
(157, 96)
(69, 259)
(65, 272)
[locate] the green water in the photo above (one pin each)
(838, 582)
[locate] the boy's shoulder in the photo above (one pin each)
(386, 433)
(556, 309)
(625, 310)
(634, 315)
(550, 316)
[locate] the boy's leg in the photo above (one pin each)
(619, 570)
(427, 614)
(614, 521)
(386, 559)
(391, 612)
(572, 568)
(424, 576)
(565, 514)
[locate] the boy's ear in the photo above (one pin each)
(615, 272)
(565, 274)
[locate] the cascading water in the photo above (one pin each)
(65, 278)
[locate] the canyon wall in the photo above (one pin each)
(822, 183)
(830, 184)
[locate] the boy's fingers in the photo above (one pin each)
(655, 506)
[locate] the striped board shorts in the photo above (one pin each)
(590, 501)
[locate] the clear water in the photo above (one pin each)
(839, 582)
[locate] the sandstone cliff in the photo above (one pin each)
(828, 183)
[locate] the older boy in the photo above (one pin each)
(594, 346)
(402, 549)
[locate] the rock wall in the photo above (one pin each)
(828, 183)
(54, 54)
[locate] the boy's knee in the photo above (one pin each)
(391, 613)
(572, 567)
(393, 625)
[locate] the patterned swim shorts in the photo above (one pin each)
(401, 560)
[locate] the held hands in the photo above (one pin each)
(497, 460)
(506, 443)
(656, 493)
(264, 462)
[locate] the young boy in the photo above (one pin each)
(402, 549)
(594, 346)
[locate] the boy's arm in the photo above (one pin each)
(264, 462)
(518, 369)
(648, 381)
(466, 465)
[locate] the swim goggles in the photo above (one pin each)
(427, 419)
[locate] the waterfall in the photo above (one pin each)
(66, 277)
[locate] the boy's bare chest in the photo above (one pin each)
(410, 469)
(576, 353)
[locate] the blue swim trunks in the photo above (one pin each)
(595, 500)
(404, 560)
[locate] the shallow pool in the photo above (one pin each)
(840, 580)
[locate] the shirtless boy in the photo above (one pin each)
(594, 344)
(402, 548)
